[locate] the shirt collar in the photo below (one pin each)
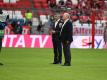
(58, 20)
(66, 20)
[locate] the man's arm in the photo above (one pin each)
(70, 32)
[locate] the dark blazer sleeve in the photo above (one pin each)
(67, 32)
(69, 28)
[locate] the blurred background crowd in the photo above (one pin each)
(35, 16)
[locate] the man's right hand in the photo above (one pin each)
(53, 31)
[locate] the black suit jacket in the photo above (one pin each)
(57, 29)
(66, 33)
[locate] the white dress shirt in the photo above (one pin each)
(56, 22)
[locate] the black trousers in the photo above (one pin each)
(67, 52)
(0, 47)
(0, 44)
(57, 47)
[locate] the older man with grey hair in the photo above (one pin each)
(66, 36)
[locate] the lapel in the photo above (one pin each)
(57, 22)
(64, 25)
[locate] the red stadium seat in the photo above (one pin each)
(45, 5)
(18, 4)
(84, 18)
(1, 4)
(38, 1)
(41, 13)
(35, 1)
(1, 0)
(49, 12)
(74, 17)
(44, 1)
(38, 6)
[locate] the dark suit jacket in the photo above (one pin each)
(66, 33)
(57, 29)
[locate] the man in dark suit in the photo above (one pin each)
(66, 35)
(3, 19)
(105, 35)
(55, 29)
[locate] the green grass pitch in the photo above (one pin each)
(35, 64)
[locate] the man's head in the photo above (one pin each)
(57, 16)
(66, 16)
(1, 12)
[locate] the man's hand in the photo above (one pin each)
(67, 42)
(53, 31)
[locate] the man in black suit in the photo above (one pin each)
(3, 19)
(55, 29)
(66, 35)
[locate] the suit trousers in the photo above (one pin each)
(67, 52)
(57, 47)
(0, 43)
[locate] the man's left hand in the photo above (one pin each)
(67, 42)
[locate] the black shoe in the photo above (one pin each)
(56, 63)
(1, 64)
(60, 62)
(67, 64)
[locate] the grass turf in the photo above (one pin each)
(35, 64)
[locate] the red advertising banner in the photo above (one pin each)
(27, 41)
(45, 41)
